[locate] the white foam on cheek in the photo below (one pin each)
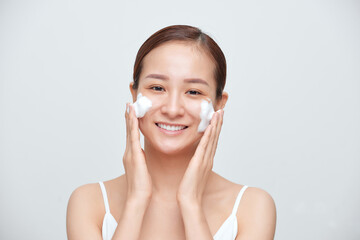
(206, 114)
(142, 105)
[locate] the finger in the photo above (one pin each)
(200, 150)
(127, 123)
(218, 130)
(209, 149)
(134, 129)
(206, 153)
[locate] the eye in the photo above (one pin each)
(157, 88)
(193, 92)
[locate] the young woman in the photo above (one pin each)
(169, 190)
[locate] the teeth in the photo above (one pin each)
(170, 128)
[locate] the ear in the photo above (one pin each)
(220, 104)
(133, 91)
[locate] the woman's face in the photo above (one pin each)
(176, 77)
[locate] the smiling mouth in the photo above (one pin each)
(171, 127)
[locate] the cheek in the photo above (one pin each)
(193, 108)
(157, 101)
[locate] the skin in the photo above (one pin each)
(169, 190)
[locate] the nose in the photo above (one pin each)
(173, 106)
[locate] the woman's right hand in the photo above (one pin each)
(139, 184)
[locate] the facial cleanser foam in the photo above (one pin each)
(206, 113)
(142, 105)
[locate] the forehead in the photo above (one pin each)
(179, 60)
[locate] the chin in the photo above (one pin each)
(173, 149)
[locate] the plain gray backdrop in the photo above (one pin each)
(292, 122)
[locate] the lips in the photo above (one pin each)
(171, 127)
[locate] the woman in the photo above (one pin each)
(169, 190)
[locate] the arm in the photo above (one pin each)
(129, 224)
(139, 189)
(196, 226)
(257, 216)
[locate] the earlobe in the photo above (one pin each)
(133, 91)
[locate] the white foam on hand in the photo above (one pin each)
(206, 113)
(142, 105)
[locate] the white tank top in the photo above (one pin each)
(227, 231)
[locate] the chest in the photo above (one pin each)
(164, 221)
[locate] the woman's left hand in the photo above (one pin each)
(200, 166)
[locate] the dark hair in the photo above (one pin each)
(188, 34)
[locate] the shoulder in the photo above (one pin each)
(258, 199)
(85, 190)
(84, 211)
(85, 196)
(256, 215)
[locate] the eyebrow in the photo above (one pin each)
(187, 80)
(157, 76)
(196, 80)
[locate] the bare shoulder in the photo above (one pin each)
(257, 198)
(84, 212)
(88, 195)
(88, 190)
(256, 215)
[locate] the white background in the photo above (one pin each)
(292, 122)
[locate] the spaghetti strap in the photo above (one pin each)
(106, 202)
(238, 198)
